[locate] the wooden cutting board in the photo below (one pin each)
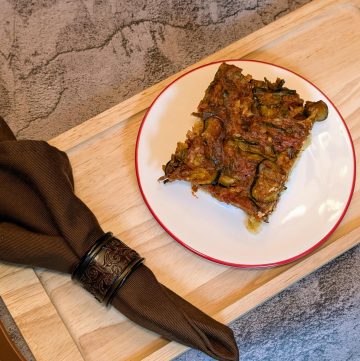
(60, 321)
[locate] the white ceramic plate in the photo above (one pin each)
(319, 188)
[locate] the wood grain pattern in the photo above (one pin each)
(321, 41)
(36, 316)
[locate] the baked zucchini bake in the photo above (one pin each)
(247, 136)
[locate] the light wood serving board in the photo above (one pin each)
(60, 321)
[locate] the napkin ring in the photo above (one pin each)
(105, 267)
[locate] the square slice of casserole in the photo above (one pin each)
(246, 139)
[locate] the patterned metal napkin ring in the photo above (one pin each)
(105, 267)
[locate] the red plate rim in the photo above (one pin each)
(239, 265)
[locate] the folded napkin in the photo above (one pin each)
(44, 224)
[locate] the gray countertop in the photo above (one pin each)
(64, 62)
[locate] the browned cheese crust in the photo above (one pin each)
(248, 135)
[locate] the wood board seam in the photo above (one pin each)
(59, 314)
(13, 272)
(34, 282)
(110, 129)
(303, 25)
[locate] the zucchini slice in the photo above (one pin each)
(245, 146)
(202, 176)
(268, 183)
(316, 111)
(226, 181)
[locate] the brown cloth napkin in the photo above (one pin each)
(44, 224)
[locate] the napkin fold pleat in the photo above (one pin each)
(177, 319)
(41, 251)
(46, 174)
(44, 224)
